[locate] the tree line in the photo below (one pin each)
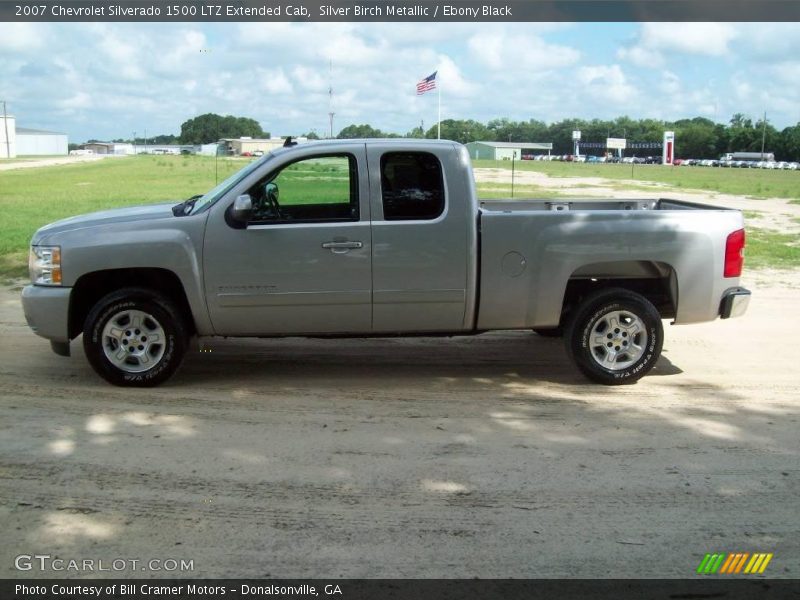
(694, 138)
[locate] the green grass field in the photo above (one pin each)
(34, 197)
(758, 183)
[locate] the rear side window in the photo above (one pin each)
(412, 185)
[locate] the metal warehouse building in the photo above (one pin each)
(37, 142)
(8, 137)
(21, 141)
(507, 150)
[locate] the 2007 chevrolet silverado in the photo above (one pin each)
(379, 237)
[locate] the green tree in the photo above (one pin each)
(462, 131)
(211, 127)
(362, 131)
(788, 145)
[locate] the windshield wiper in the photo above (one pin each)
(185, 207)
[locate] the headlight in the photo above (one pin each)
(44, 265)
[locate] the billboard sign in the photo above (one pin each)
(616, 143)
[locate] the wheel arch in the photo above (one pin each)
(655, 280)
(91, 287)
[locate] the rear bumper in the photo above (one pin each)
(734, 303)
(47, 311)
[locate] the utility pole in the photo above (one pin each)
(5, 124)
(330, 96)
(134, 143)
(763, 134)
(145, 141)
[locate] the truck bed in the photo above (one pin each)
(532, 249)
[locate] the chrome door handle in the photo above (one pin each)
(341, 246)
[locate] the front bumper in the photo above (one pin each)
(47, 311)
(734, 303)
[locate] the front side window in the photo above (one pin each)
(318, 189)
(412, 186)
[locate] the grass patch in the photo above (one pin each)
(758, 183)
(30, 198)
(771, 249)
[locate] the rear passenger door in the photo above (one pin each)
(419, 241)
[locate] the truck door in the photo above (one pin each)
(419, 240)
(302, 263)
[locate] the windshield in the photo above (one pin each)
(225, 186)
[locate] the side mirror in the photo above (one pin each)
(242, 208)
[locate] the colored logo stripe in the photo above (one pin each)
(733, 563)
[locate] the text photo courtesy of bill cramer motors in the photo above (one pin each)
(399, 299)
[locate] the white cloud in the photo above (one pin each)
(607, 83)
(22, 37)
(498, 50)
(659, 42)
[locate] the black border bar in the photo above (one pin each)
(478, 11)
(731, 588)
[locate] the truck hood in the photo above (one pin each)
(106, 217)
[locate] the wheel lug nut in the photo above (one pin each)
(608, 344)
(615, 331)
(609, 336)
(616, 347)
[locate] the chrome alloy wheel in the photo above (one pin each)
(133, 341)
(618, 339)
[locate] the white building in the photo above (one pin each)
(21, 141)
(8, 137)
(38, 142)
(507, 150)
(118, 148)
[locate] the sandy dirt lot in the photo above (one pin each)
(471, 457)
(33, 163)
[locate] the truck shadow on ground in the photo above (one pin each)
(490, 356)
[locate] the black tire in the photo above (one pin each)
(629, 361)
(151, 308)
(549, 332)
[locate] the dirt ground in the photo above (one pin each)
(33, 163)
(472, 457)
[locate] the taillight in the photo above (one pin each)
(734, 253)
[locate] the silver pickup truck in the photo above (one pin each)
(379, 238)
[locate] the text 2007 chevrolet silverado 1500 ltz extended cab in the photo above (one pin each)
(379, 237)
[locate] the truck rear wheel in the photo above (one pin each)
(615, 336)
(134, 337)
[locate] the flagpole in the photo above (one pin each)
(439, 121)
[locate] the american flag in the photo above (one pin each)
(427, 84)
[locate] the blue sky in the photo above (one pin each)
(107, 80)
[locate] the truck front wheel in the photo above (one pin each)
(134, 337)
(615, 336)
